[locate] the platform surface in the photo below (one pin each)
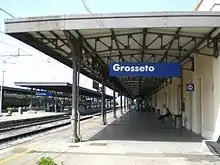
(27, 115)
(134, 138)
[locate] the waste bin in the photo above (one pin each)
(20, 110)
(157, 112)
(9, 111)
(178, 122)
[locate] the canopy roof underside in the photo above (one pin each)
(166, 37)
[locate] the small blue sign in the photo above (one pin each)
(190, 87)
(145, 69)
(44, 94)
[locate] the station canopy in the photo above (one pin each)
(122, 37)
(63, 87)
(13, 90)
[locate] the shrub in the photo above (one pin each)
(46, 161)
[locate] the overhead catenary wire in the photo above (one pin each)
(7, 12)
(10, 45)
(100, 23)
(12, 55)
(17, 53)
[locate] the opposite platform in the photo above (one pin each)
(26, 115)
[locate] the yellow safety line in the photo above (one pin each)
(17, 155)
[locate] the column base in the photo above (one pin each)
(76, 139)
(104, 123)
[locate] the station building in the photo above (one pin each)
(202, 105)
(190, 38)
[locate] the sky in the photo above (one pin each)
(33, 65)
(23, 8)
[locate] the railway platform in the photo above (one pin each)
(26, 115)
(133, 138)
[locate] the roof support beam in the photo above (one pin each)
(150, 32)
(91, 50)
(74, 44)
(143, 44)
(30, 40)
(116, 42)
(54, 44)
(170, 44)
(139, 53)
(199, 44)
(216, 48)
(58, 37)
(149, 51)
(102, 63)
(72, 39)
(142, 55)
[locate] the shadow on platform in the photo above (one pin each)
(143, 126)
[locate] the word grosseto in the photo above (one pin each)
(141, 68)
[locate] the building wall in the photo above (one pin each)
(202, 106)
(211, 78)
(187, 96)
(202, 114)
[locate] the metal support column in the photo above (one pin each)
(181, 100)
(74, 104)
(55, 102)
(31, 99)
(45, 102)
(2, 92)
(114, 104)
(77, 106)
(127, 104)
(75, 45)
(25, 102)
(63, 104)
(104, 122)
(1, 99)
(124, 103)
(68, 101)
(121, 103)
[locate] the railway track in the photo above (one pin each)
(32, 124)
(7, 125)
(38, 128)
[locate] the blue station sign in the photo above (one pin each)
(44, 94)
(145, 69)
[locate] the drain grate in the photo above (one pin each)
(98, 144)
(73, 146)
